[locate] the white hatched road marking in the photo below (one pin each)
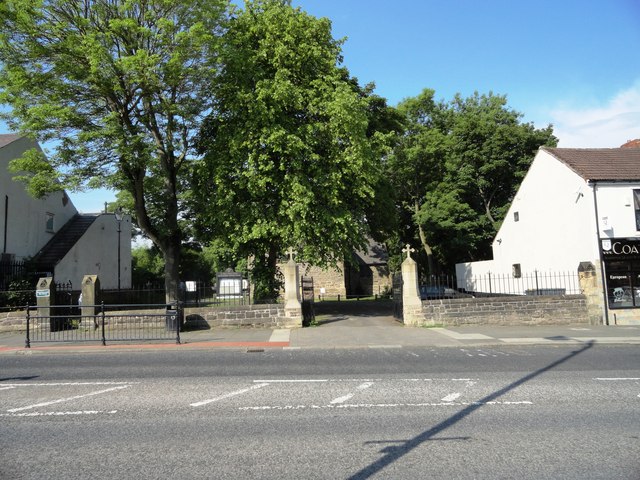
(451, 397)
(349, 396)
(7, 388)
(68, 399)
(618, 379)
(228, 395)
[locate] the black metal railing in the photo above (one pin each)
(104, 323)
(308, 294)
(495, 285)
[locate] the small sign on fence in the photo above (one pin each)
(43, 293)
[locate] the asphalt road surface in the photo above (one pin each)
(527, 412)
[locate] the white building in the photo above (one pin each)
(574, 206)
(50, 231)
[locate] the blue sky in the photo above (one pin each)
(570, 63)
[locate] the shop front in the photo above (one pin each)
(621, 258)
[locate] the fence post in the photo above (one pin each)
(28, 340)
(537, 288)
(104, 338)
(45, 291)
(178, 321)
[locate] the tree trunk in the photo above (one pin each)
(171, 254)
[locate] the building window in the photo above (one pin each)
(516, 270)
(636, 207)
(516, 216)
(49, 224)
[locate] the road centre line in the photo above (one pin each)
(76, 397)
(326, 380)
(66, 384)
(7, 388)
(617, 379)
(57, 414)
(349, 396)
(228, 395)
(379, 405)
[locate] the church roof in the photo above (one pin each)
(600, 164)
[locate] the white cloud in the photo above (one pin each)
(605, 126)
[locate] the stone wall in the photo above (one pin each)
(331, 279)
(560, 310)
(269, 316)
(10, 321)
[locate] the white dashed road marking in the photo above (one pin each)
(228, 395)
(451, 397)
(349, 396)
(68, 399)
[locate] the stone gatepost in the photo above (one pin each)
(591, 287)
(292, 305)
(411, 304)
(90, 292)
(45, 292)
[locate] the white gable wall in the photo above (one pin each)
(616, 213)
(27, 216)
(96, 253)
(556, 226)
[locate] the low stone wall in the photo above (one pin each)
(556, 310)
(262, 316)
(13, 321)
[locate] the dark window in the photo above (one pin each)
(517, 271)
(516, 216)
(623, 284)
(49, 224)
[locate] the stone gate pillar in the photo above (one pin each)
(411, 303)
(45, 297)
(90, 292)
(292, 305)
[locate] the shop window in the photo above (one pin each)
(636, 207)
(49, 222)
(623, 284)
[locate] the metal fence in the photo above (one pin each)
(10, 271)
(107, 323)
(496, 285)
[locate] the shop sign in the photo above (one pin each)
(621, 248)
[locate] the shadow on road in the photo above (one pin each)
(397, 452)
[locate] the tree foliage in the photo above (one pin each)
(289, 156)
(121, 87)
(458, 167)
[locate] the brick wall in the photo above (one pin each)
(526, 310)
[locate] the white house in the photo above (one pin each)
(574, 206)
(52, 234)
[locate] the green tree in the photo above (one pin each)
(121, 87)
(461, 163)
(289, 159)
(417, 165)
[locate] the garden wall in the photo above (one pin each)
(521, 310)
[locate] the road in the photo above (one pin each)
(525, 412)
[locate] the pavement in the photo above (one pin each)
(335, 330)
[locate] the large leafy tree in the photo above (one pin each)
(461, 162)
(289, 158)
(121, 86)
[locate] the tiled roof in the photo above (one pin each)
(7, 138)
(600, 164)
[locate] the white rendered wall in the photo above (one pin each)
(616, 213)
(556, 227)
(27, 216)
(96, 253)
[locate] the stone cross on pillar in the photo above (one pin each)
(411, 302)
(408, 250)
(292, 305)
